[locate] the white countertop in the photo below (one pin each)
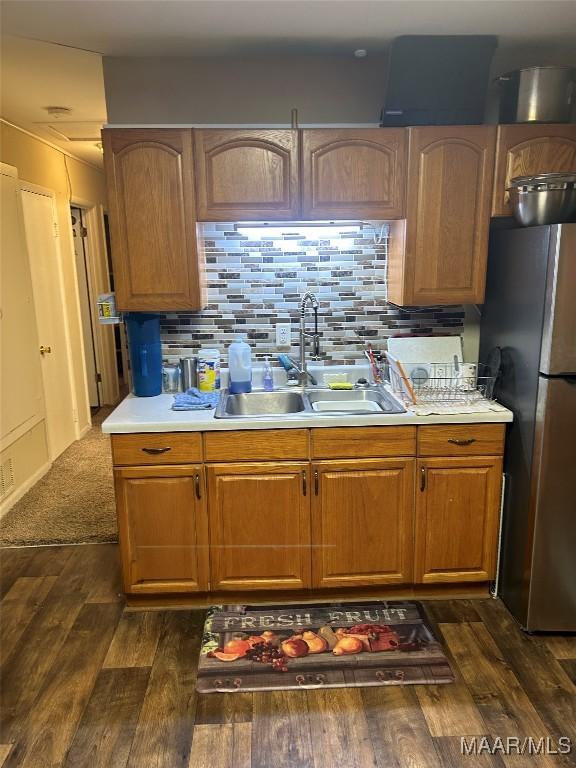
(154, 414)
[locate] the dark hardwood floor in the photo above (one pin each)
(86, 683)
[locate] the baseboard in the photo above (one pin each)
(84, 431)
(16, 495)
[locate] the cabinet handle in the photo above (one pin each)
(198, 486)
(156, 451)
(455, 441)
(316, 482)
(304, 483)
(422, 479)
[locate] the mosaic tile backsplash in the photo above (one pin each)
(256, 276)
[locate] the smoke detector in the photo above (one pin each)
(58, 112)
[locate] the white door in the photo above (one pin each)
(41, 237)
(21, 397)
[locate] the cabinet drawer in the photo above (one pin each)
(157, 448)
(256, 445)
(363, 442)
(461, 440)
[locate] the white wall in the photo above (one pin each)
(41, 164)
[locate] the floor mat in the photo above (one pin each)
(319, 645)
(73, 503)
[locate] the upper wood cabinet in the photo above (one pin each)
(457, 512)
(152, 219)
(438, 256)
(353, 173)
(259, 525)
(525, 150)
(362, 522)
(246, 174)
(163, 528)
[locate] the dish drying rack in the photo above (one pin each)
(437, 383)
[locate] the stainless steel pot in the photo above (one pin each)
(549, 198)
(537, 95)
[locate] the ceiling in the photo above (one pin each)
(36, 75)
(210, 27)
(51, 49)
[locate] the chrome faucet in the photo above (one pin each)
(303, 375)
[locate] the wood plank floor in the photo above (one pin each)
(86, 683)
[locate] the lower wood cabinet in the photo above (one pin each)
(163, 528)
(457, 516)
(259, 525)
(362, 522)
(423, 508)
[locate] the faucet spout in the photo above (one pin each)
(309, 299)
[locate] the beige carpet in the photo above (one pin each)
(73, 503)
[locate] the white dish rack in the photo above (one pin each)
(436, 383)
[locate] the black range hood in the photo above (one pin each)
(438, 79)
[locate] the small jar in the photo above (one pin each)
(208, 370)
(170, 377)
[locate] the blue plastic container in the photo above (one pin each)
(145, 350)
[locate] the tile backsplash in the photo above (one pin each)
(256, 276)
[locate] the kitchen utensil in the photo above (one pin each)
(188, 370)
(397, 370)
(549, 198)
(373, 364)
(537, 95)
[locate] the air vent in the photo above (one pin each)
(6, 478)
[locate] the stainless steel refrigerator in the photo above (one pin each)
(530, 313)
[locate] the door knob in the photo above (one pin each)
(45, 350)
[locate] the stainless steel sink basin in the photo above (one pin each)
(370, 400)
(312, 402)
(277, 403)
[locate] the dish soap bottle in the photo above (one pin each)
(239, 366)
(267, 378)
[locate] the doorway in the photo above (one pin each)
(42, 238)
(87, 303)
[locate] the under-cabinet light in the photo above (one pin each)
(311, 230)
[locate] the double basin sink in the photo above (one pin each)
(309, 402)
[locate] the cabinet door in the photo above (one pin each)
(259, 525)
(152, 219)
(349, 173)
(443, 258)
(246, 175)
(163, 529)
(457, 515)
(525, 150)
(362, 522)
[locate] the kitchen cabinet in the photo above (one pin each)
(362, 521)
(322, 508)
(525, 150)
(149, 174)
(163, 528)
(353, 173)
(259, 525)
(246, 174)
(438, 254)
(457, 516)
